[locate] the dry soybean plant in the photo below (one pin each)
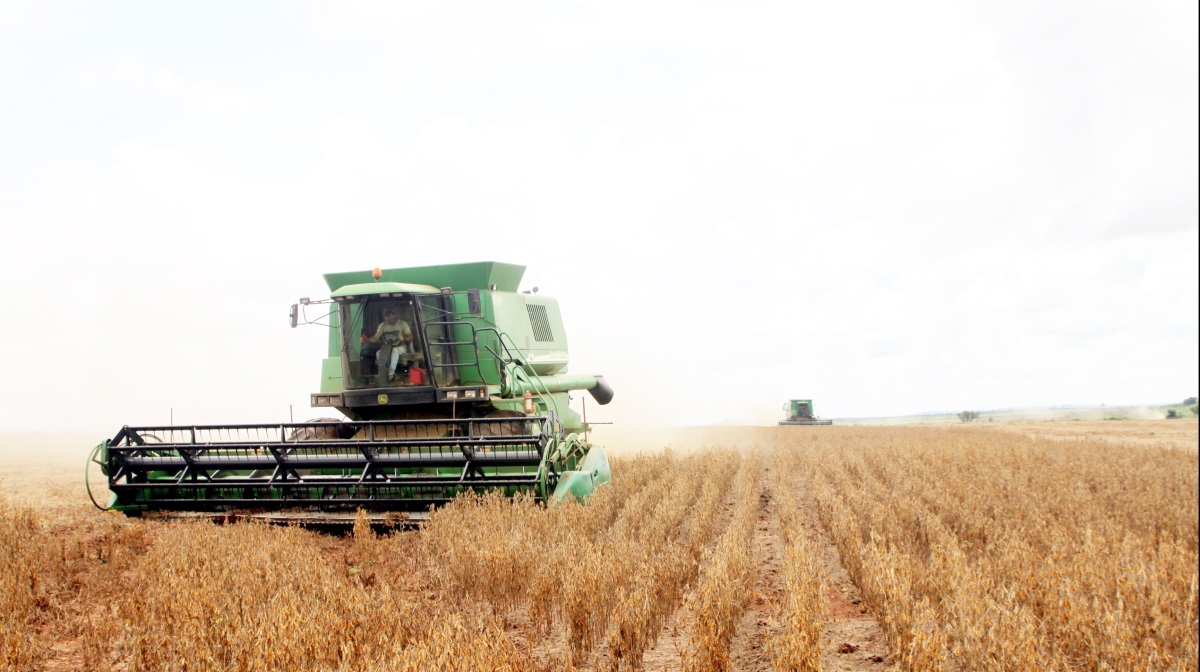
(797, 647)
(984, 550)
(727, 579)
(976, 549)
(52, 574)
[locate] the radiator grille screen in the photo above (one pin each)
(540, 324)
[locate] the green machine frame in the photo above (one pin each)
(483, 405)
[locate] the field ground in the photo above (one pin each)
(1066, 545)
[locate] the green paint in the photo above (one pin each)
(593, 471)
(513, 343)
(331, 375)
(458, 277)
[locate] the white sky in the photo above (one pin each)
(887, 207)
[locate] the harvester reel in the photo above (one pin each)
(318, 433)
(502, 428)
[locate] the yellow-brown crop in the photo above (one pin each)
(974, 549)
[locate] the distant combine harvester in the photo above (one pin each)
(800, 412)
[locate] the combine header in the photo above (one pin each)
(450, 380)
(800, 412)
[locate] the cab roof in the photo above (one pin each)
(376, 288)
(458, 277)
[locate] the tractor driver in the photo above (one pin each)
(393, 336)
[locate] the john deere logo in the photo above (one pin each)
(383, 398)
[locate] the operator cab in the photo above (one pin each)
(400, 344)
(382, 343)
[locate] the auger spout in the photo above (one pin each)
(597, 386)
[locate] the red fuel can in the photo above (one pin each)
(416, 376)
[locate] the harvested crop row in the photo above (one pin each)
(21, 587)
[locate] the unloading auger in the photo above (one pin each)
(450, 381)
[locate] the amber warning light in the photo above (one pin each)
(377, 274)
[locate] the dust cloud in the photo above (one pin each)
(627, 441)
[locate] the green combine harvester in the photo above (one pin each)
(450, 381)
(800, 412)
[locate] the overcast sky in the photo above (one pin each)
(888, 207)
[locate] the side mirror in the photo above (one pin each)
(295, 315)
(474, 306)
